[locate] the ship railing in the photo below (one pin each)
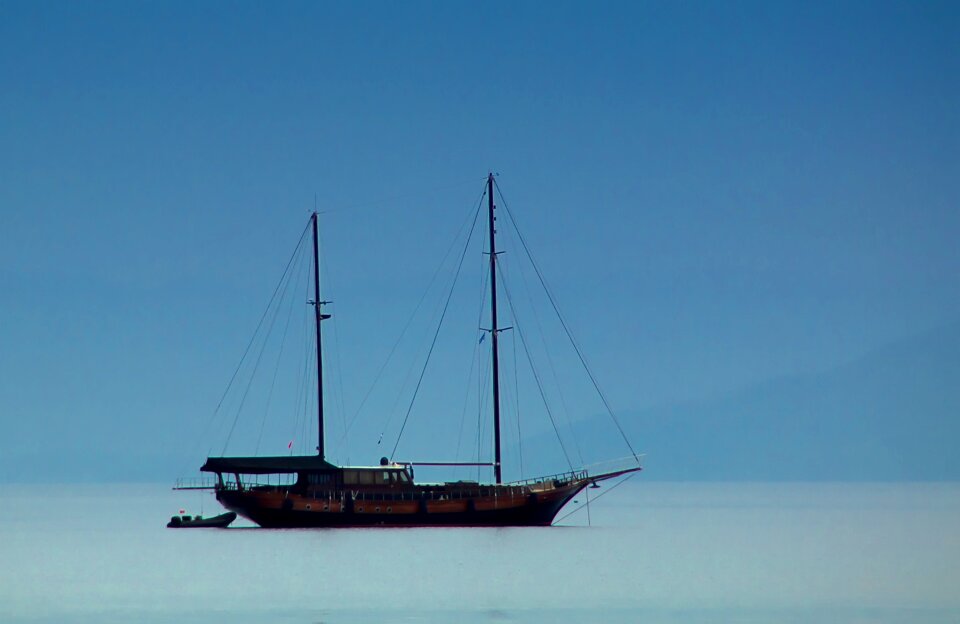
(571, 475)
(283, 481)
(440, 495)
(195, 483)
(276, 482)
(487, 491)
(259, 481)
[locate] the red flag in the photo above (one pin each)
(290, 444)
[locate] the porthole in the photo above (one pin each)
(376, 509)
(389, 509)
(326, 507)
(308, 506)
(359, 509)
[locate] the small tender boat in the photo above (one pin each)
(199, 522)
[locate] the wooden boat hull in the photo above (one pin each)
(287, 509)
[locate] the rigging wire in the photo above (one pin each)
(283, 341)
(399, 397)
(309, 398)
(550, 365)
(395, 198)
(503, 267)
(511, 396)
(253, 373)
(485, 372)
(325, 272)
(402, 390)
(516, 384)
(473, 361)
(413, 315)
(507, 406)
(437, 333)
(536, 376)
(340, 394)
(243, 358)
(566, 329)
(466, 401)
(285, 281)
(309, 388)
(483, 396)
(599, 496)
(301, 394)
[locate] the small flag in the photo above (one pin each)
(183, 511)
(482, 336)
(290, 444)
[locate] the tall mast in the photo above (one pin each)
(494, 331)
(317, 307)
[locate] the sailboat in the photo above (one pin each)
(310, 491)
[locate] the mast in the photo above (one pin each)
(494, 331)
(319, 315)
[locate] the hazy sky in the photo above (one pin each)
(720, 193)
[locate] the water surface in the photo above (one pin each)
(656, 552)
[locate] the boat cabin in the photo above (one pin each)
(305, 473)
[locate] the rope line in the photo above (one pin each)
(327, 286)
(256, 364)
(256, 331)
(566, 329)
(406, 326)
(433, 343)
(599, 496)
(565, 409)
(536, 376)
(283, 342)
(309, 338)
(466, 397)
(516, 384)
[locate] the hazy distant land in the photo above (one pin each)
(891, 415)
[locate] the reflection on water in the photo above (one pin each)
(657, 552)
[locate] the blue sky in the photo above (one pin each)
(720, 194)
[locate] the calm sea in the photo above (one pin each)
(656, 552)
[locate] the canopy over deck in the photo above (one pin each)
(267, 465)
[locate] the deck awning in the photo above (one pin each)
(266, 465)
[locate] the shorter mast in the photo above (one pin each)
(319, 316)
(494, 331)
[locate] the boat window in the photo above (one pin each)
(322, 478)
(270, 479)
(383, 477)
(350, 477)
(403, 477)
(366, 477)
